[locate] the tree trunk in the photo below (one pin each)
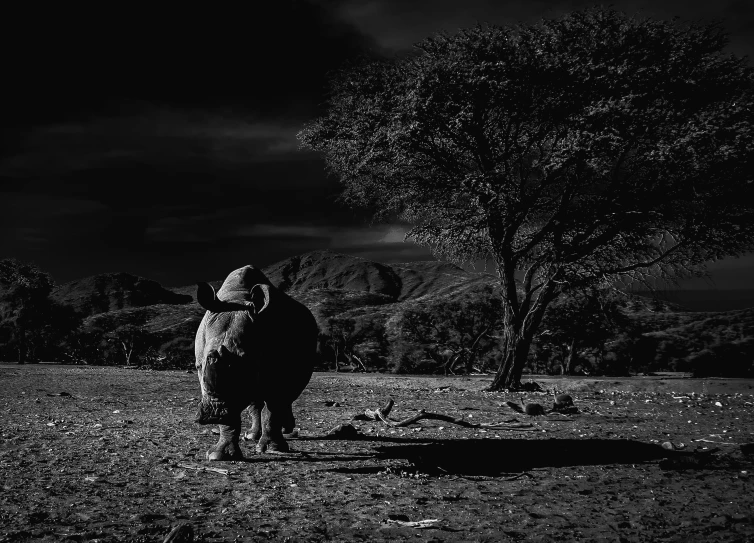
(361, 363)
(515, 354)
(568, 363)
(519, 329)
(471, 356)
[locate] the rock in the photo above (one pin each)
(183, 533)
(343, 431)
(534, 409)
(564, 404)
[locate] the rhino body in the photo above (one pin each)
(255, 347)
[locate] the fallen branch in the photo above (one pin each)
(382, 415)
(717, 442)
(418, 524)
(205, 468)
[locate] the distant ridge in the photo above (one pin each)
(705, 299)
(329, 270)
(370, 296)
(114, 291)
(408, 280)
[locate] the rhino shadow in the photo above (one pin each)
(496, 457)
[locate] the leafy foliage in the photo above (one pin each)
(32, 325)
(453, 335)
(360, 341)
(578, 325)
(589, 150)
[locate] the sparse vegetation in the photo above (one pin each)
(427, 317)
(590, 151)
(33, 326)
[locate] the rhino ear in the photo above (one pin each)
(260, 297)
(207, 298)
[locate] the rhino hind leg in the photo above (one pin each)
(289, 422)
(255, 411)
(273, 419)
(227, 447)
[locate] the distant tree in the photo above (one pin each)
(84, 347)
(579, 321)
(31, 323)
(357, 340)
(454, 333)
(123, 336)
(58, 326)
(340, 338)
(590, 150)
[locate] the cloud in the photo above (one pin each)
(156, 136)
(337, 237)
(228, 227)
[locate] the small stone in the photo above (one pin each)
(343, 431)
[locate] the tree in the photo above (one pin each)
(340, 337)
(25, 305)
(358, 339)
(453, 333)
(592, 150)
(584, 320)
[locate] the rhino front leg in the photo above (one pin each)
(273, 419)
(255, 411)
(227, 447)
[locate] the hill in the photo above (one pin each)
(115, 291)
(387, 312)
(706, 299)
(329, 270)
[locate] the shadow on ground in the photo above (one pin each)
(488, 457)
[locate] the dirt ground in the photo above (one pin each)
(100, 454)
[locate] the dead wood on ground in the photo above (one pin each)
(205, 468)
(382, 414)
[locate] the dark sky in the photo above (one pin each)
(162, 143)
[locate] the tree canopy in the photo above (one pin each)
(590, 150)
(29, 319)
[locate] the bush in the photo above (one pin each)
(703, 363)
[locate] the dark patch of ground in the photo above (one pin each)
(103, 462)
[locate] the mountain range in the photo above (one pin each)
(337, 285)
(328, 283)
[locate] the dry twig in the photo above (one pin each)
(717, 442)
(382, 414)
(205, 468)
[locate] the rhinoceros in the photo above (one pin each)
(256, 348)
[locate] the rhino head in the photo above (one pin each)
(228, 339)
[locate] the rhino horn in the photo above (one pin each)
(260, 297)
(207, 298)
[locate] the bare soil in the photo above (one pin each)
(99, 454)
